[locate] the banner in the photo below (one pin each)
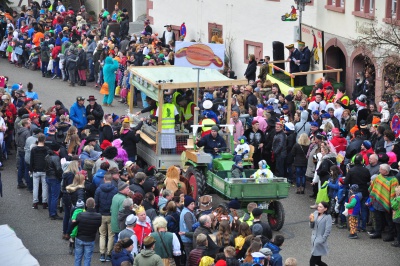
(205, 55)
(314, 39)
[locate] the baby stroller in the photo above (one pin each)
(32, 62)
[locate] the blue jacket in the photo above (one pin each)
(333, 188)
(78, 115)
(98, 177)
(103, 198)
(210, 143)
(118, 258)
(276, 258)
(183, 227)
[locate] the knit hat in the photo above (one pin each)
(354, 188)
(257, 229)
(80, 203)
(234, 204)
(188, 200)
(289, 98)
(57, 102)
(326, 115)
(131, 219)
(257, 212)
(128, 243)
(367, 144)
(266, 251)
(122, 186)
(215, 128)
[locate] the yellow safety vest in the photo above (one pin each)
(187, 113)
(174, 97)
(168, 116)
(209, 122)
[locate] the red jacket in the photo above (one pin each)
(339, 143)
(56, 50)
(141, 231)
(365, 154)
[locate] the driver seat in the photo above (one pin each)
(251, 152)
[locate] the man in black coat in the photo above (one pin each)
(251, 98)
(88, 223)
(304, 62)
(355, 145)
(360, 175)
(124, 26)
(95, 109)
(294, 55)
(267, 232)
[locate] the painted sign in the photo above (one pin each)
(207, 55)
(314, 39)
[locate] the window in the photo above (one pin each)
(364, 9)
(336, 5)
(255, 48)
(392, 14)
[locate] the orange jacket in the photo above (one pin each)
(36, 38)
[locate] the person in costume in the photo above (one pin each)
(262, 172)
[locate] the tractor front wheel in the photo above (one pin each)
(197, 181)
(277, 218)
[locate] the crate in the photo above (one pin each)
(246, 189)
(198, 157)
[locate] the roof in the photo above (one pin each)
(150, 79)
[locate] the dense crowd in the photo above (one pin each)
(345, 145)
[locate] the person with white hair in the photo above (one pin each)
(167, 244)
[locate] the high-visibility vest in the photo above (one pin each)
(209, 122)
(168, 116)
(174, 97)
(187, 113)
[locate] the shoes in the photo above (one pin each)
(353, 236)
(341, 226)
(108, 258)
(72, 85)
(298, 191)
(102, 257)
(66, 237)
(372, 232)
(388, 239)
(313, 206)
(34, 206)
(45, 206)
(56, 217)
(375, 236)
(21, 186)
(104, 104)
(301, 190)
(395, 244)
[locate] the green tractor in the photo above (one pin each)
(265, 192)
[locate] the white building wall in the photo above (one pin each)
(255, 20)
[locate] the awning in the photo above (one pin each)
(149, 79)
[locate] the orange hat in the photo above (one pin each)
(319, 80)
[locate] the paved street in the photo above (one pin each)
(43, 236)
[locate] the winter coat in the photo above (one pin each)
(276, 258)
(210, 143)
(103, 198)
(254, 138)
(45, 54)
(150, 211)
(118, 258)
(78, 115)
(53, 166)
(98, 177)
(106, 133)
(324, 168)
(37, 159)
(76, 193)
(122, 214)
(354, 147)
(251, 69)
(212, 246)
(142, 229)
(29, 144)
(319, 236)
(129, 139)
(358, 175)
(122, 154)
(302, 126)
(310, 164)
(116, 206)
(82, 62)
(124, 27)
(148, 258)
(22, 134)
(137, 188)
(109, 68)
(250, 100)
(305, 59)
(97, 112)
(102, 160)
(333, 188)
(279, 144)
(88, 225)
(299, 154)
(172, 222)
(339, 143)
(237, 172)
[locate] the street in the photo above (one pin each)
(42, 236)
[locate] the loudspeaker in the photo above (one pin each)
(278, 53)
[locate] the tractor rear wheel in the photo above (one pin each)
(277, 219)
(197, 181)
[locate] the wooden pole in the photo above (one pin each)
(131, 96)
(159, 122)
(229, 108)
(338, 77)
(317, 72)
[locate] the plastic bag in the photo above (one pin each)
(50, 65)
(117, 90)
(346, 212)
(322, 195)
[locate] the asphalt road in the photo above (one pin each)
(43, 236)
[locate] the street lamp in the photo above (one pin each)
(301, 4)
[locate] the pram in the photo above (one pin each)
(32, 62)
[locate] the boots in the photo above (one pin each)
(83, 83)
